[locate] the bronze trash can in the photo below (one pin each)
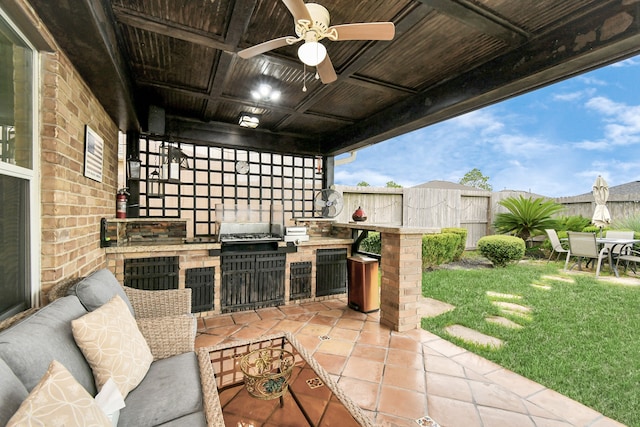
(363, 292)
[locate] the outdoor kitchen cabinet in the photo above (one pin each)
(252, 280)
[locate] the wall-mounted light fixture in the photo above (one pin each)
(249, 120)
(171, 160)
(133, 168)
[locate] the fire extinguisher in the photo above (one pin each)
(121, 203)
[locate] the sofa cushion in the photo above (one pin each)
(197, 419)
(97, 289)
(171, 390)
(12, 393)
(29, 346)
(59, 399)
(113, 345)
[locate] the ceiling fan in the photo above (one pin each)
(312, 25)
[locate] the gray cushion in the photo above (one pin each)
(197, 419)
(97, 289)
(12, 393)
(29, 346)
(170, 390)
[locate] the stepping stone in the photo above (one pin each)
(498, 320)
(559, 279)
(473, 336)
(503, 296)
(511, 306)
(542, 287)
(429, 307)
(519, 314)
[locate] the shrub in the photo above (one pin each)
(526, 217)
(439, 248)
(501, 250)
(372, 243)
(573, 223)
(463, 240)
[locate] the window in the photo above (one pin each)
(18, 184)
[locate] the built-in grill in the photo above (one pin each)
(243, 228)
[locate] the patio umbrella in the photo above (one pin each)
(601, 216)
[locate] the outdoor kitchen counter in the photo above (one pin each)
(386, 228)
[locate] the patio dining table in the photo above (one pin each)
(614, 242)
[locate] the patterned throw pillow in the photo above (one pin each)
(113, 345)
(59, 400)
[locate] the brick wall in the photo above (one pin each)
(71, 204)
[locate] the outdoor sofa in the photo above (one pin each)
(177, 389)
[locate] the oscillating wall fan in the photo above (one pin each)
(328, 203)
(311, 23)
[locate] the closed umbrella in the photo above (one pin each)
(601, 217)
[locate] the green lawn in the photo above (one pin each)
(582, 339)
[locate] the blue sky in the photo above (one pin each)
(554, 141)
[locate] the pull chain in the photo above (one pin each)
(304, 78)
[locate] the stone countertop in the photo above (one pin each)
(313, 241)
(386, 228)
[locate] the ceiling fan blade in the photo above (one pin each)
(252, 51)
(326, 71)
(365, 31)
(298, 10)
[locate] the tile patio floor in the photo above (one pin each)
(400, 377)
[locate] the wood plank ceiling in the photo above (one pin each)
(448, 57)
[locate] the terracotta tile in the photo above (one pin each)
(314, 306)
(399, 376)
(402, 342)
(380, 338)
(314, 407)
(287, 325)
(385, 420)
(222, 320)
(450, 387)
(405, 358)
(570, 410)
(331, 363)
(301, 388)
(224, 331)
(496, 396)
(444, 347)
(606, 422)
(316, 330)
(331, 313)
(265, 324)
(250, 407)
(353, 314)
(245, 317)
(302, 317)
(320, 319)
(289, 415)
(403, 403)
(335, 346)
(238, 420)
(545, 422)
(535, 410)
(248, 332)
(453, 413)
(270, 313)
(514, 382)
(420, 335)
(337, 416)
(345, 334)
(363, 393)
(363, 369)
(309, 342)
(206, 340)
(378, 354)
(354, 324)
(375, 326)
(228, 394)
(476, 363)
(493, 417)
(336, 304)
(443, 365)
(290, 310)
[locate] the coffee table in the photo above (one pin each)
(313, 399)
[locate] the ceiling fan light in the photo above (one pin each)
(312, 53)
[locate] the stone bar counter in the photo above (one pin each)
(401, 265)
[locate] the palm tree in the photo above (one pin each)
(526, 217)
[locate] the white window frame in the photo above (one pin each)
(32, 176)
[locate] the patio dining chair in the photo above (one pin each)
(583, 245)
(556, 245)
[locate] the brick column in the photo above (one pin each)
(401, 286)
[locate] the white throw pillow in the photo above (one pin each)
(59, 400)
(113, 345)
